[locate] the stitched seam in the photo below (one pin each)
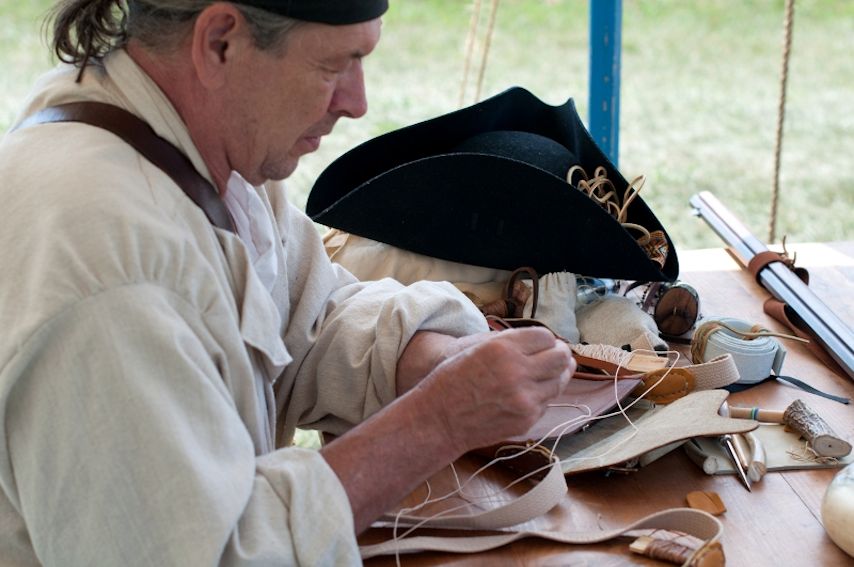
(61, 312)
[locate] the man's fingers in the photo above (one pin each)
(544, 357)
(529, 340)
(565, 377)
(552, 363)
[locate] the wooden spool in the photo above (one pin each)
(677, 309)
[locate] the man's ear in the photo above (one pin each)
(220, 34)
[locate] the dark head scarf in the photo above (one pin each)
(335, 12)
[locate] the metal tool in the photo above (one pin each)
(729, 446)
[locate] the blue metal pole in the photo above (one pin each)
(606, 21)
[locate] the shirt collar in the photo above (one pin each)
(151, 104)
(254, 226)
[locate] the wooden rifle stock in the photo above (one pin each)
(827, 328)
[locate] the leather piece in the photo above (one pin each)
(784, 450)
(761, 260)
(693, 522)
(613, 442)
(708, 501)
(567, 412)
(787, 316)
(676, 383)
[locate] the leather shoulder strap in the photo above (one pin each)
(152, 147)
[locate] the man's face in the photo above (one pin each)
(287, 102)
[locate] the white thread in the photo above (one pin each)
(565, 425)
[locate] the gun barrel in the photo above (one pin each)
(833, 334)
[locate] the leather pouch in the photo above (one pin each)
(572, 411)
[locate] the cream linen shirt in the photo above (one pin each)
(140, 353)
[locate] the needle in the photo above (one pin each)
(727, 442)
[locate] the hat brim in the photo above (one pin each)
(405, 189)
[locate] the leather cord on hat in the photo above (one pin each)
(602, 191)
(139, 135)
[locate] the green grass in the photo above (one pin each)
(700, 87)
(23, 55)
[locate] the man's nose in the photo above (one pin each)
(349, 98)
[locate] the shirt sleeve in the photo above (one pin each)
(125, 448)
(346, 336)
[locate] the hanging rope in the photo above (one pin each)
(486, 45)
(475, 19)
(781, 112)
(473, 25)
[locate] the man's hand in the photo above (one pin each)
(498, 386)
(478, 391)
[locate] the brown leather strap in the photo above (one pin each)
(143, 139)
(761, 260)
(787, 316)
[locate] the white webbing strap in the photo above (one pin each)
(530, 505)
(533, 504)
(756, 358)
(715, 373)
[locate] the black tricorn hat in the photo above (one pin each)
(335, 12)
(486, 185)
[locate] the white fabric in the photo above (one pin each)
(718, 372)
(254, 227)
(556, 304)
(141, 351)
(372, 260)
(617, 321)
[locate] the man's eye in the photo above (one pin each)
(329, 76)
(337, 67)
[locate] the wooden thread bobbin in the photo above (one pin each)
(677, 309)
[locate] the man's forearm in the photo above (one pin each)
(385, 458)
(479, 391)
(425, 351)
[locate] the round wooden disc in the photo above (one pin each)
(677, 310)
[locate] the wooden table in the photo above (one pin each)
(777, 524)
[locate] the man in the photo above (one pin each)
(153, 367)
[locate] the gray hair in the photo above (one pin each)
(87, 29)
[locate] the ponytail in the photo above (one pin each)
(86, 29)
(89, 29)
